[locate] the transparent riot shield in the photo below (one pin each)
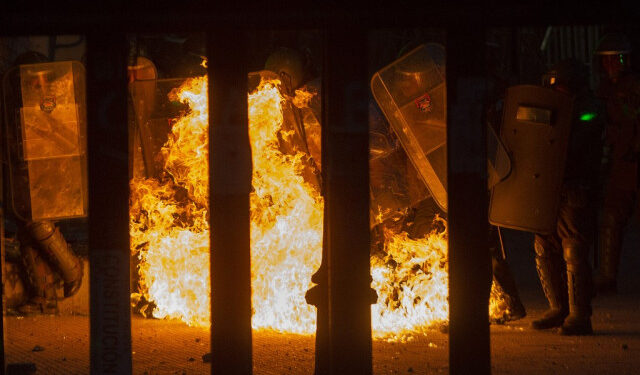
(535, 129)
(412, 94)
(153, 111)
(45, 117)
(143, 95)
(388, 186)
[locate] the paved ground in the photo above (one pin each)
(162, 347)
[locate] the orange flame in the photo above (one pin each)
(412, 285)
(286, 222)
(170, 232)
(169, 229)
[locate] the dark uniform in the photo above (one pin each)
(620, 90)
(562, 256)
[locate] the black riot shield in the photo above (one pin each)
(535, 130)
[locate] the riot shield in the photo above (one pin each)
(45, 118)
(498, 161)
(411, 92)
(153, 111)
(535, 130)
(142, 93)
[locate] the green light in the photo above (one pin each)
(621, 59)
(588, 116)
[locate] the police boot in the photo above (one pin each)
(552, 272)
(610, 242)
(41, 284)
(580, 292)
(59, 253)
(502, 276)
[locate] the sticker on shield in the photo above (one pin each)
(424, 103)
(48, 103)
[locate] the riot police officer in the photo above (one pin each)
(619, 89)
(420, 75)
(44, 163)
(562, 256)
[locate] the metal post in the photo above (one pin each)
(347, 200)
(2, 300)
(469, 259)
(230, 185)
(107, 144)
(318, 297)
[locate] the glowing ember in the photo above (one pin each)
(170, 233)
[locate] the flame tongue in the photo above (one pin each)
(170, 236)
(286, 222)
(412, 285)
(170, 232)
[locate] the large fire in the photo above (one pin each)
(170, 233)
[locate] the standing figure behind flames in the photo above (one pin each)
(44, 129)
(619, 88)
(562, 256)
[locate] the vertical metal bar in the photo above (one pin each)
(569, 35)
(576, 42)
(318, 295)
(556, 45)
(569, 42)
(548, 49)
(590, 47)
(2, 300)
(585, 45)
(580, 42)
(347, 200)
(516, 42)
(588, 39)
(469, 260)
(230, 184)
(107, 140)
(561, 31)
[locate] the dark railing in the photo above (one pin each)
(346, 327)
